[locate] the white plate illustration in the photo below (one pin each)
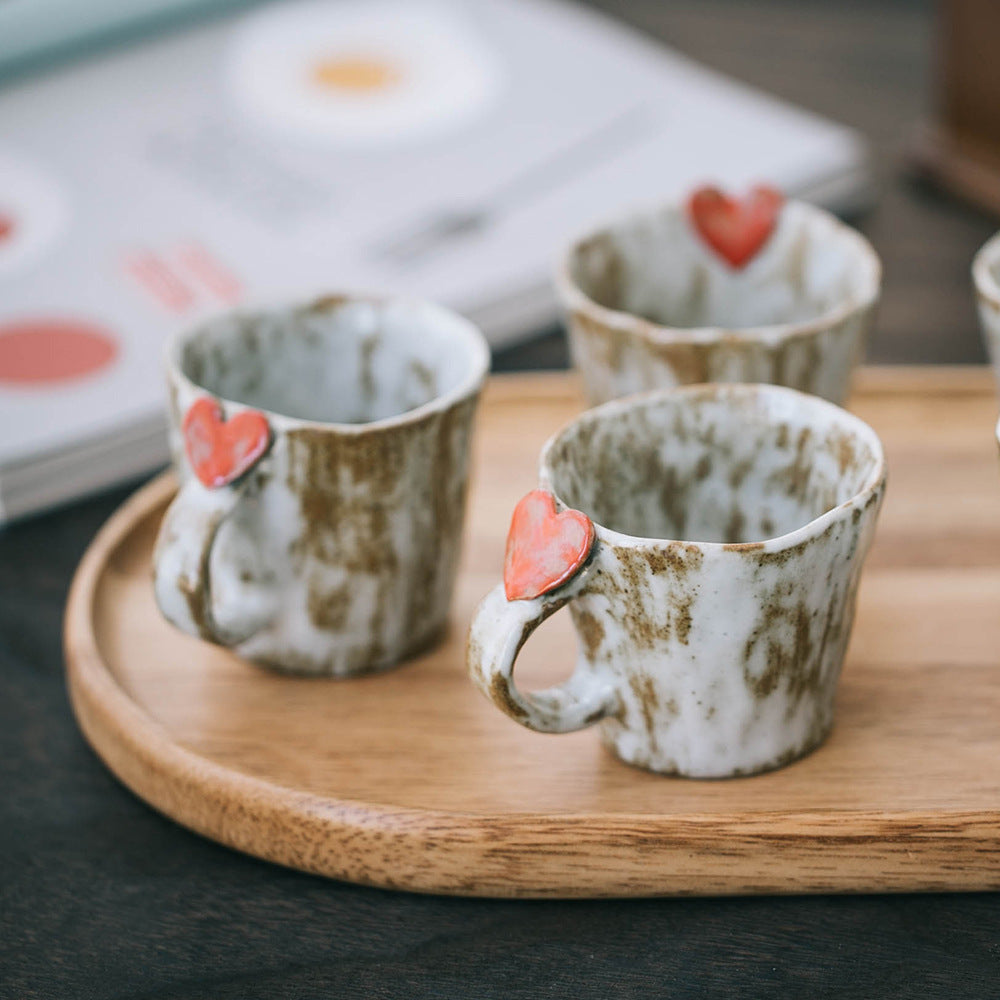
(361, 72)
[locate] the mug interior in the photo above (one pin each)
(715, 464)
(346, 361)
(654, 266)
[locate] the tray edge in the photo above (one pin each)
(484, 854)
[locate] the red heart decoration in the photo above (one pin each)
(544, 549)
(220, 451)
(736, 230)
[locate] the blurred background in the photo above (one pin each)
(162, 160)
(880, 68)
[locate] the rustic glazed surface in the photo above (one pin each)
(715, 609)
(986, 277)
(336, 553)
(649, 305)
(902, 796)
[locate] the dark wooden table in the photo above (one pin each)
(101, 897)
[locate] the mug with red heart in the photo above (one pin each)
(322, 454)
(708, 542)
(719, 289)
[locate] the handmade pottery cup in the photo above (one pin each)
(649, 304)
(322, 453)
(708, 541)
(986, 277)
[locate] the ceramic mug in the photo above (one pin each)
(986, 277)
(322, 453)
(650, 303)
(708, 541)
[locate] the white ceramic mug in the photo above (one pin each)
(322, 453)
(649, 305)
(708, 542)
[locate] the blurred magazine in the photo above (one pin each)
(438, 148)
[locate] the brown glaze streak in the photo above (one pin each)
(799, 666)
(796, 477)
(436, 551)
(743, 546)
(736, 526)
(641, 346)
(646, 623)
(328, 608)
(501, 697)
(601, 269)
(645, 693)
(194, 597)
(352, 489)
(327, 303)
(424, 377)
(678, 558)
(591, 631)
(847, 459)
(803, 651)
(197, 594)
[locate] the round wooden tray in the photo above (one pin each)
(412, 780)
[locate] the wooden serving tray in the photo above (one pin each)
(412, 780)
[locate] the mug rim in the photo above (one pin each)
(575, 299)
(860, 499)
(472, 336)
(982, 274)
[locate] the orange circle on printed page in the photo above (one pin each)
(356, 74)
(44, 351)
(7, 225)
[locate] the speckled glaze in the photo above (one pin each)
(986, 277)
(336, 553)
(648, 305)
(715, 609)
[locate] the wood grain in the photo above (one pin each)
(412, 780)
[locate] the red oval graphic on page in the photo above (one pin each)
(42, 351)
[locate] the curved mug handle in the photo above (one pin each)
(499, 629)
(182, 577)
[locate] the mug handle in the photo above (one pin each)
(499, 629)
(182, 579)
